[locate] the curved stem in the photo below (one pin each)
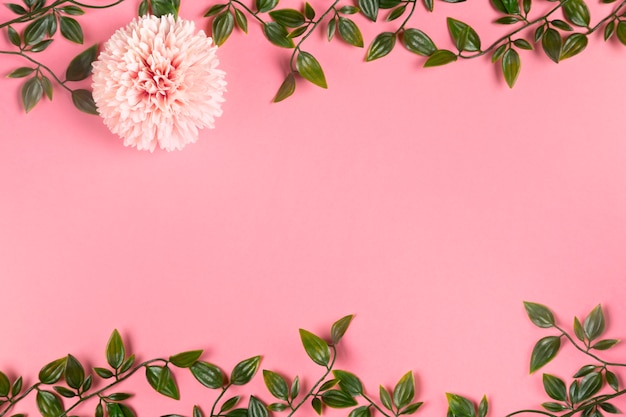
(406, 19)
(380, 410)
(586, 352)
(609, 17)
(328, 369)
(19, 398)
(545, 413)
(247, 9)
(219, 397)
(39, 64)
(33, 14)
(90, 6)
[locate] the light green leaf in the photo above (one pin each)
(544, 351)
(348, 382)
(440, 57)
(404, 390)
(309, 68)
(350, 33)
(464, 37)
(460, 406)
(385, 398)
(276, 385)
(315, 347)
(186, 359)
(115, 351)
(160, 378)
(286, 89)
(511, 66)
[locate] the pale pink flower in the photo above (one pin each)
(157, 82)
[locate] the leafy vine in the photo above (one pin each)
(562, 32)
(64, 384)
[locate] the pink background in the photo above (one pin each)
(430, 203)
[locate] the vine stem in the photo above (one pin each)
(91, 6)
(304, 38)
(609, 17)
(39, 64)
(319, 381)
(16, 400)
(586, 352)
(247, 9)
(406, 19)
(31, 15)
(219, 397)
(545, 413)
(380, 410)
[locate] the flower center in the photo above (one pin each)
(158, 78)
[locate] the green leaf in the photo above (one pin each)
(369, 8)
(297, 32)
(80, 66)
(127, 364)
(551, 43)
(609, 408)
(256, 408)
(404, 391)
(21, 73)
(350, 33)
(578, 330)
(286, 89)
(523, 44)
(17, 387)
(143, 8)
(418, 42)
(611, 379)
(605, 344)
(16, 8)
(544, 351)
(315, 347)
(562, 25)
(385, 398)
(103, 373)
(500, 50)
(511, 66)
(499, 6)
(70, 29)
(290, 18)
(573, 45)
(72, 10)
(464, 37)
(338, 399)
(349, 10)
(555, 387)
(208, 374)
(264, 6)
(64, 392)
(5, 385)
(53, 371)
(483, 407)
(309, 68)
(86, 384)
(396, 13)
(330, 29)
(49, 404)
(115, 351)
(295, 388)
(460, 406)
(165, 7)
(215, 9)
(222, 26)
(526, 5)
(585, 370)
(114, 410)
(241, 20)
(429, 4)
(362, 411)
(160, 378)
(508, 20)
(40, 46)
(539, 33)
(328, 384)
(554, 407)
(621, 31)
(14, 37)
(276, 385)
(186, 359)
(576, 11)
(99, 410)
(245, 370)
(411, 408)
(278, 35)
(590, 385)
(309, 12)
(238, 412)
(316, 403)
(119, 396)
(74, 372)
(573, 391)
(277, 407)
(594, 323)
(348, 382)
(381, 46)
(47, 86)
(230, 403)
(35, 31)
(609, 30)
(440, 57)
(197, 411)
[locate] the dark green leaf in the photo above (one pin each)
(560, 24)
(404, 391)
(114, 410)
(126, 411)
(540, 315)
(290, 18)
(19, 73)
(265, 5)
(277, 34)
(539, 33)
(369, 8)
(350, 33)
(330, 29)
(186, 359)
(277, 407)
(585, 370)
(316, 403)
(276, 385)
(609, 408)
(222, 26)
(328, 384)
(5, 384)
(16, 8)
(74, 372)
(440, 57)
(245, 370)
(508, 20)
(609, 30)
(238, 412)
(555, 387)
(411, 409)
(165, 7)
(230, 403)
(14, 37)
(208, 374)
(511, 66)
(115, 351)
(309, 12)
(72, 10)
(418, 42)
(499, 6)
(554, 407)
(215, 9)
(64, 392)
(256, 408)
(17, 387)
(103, 373)
(606, 343)
(526, 4)
(621, 31)
(49, 404)
(297, 32)
(578, 330)
(197, 412)
(70, 29)
(594, 323)
(241, 20)
(362, 411)
(348, 382)
(590, 385)
(99, 410)
(483, 407)
(53, 371)
(511, 6)
(143, 8)
(460, 406)
(119, 396)
(523, 44)
(349, 10)
(160, 378)
(87, 383)
(576, 11)
(35, 31)
(286, 89)
(80, 67)
(573, 391)
(464, 37)
(381, 46)
(396, 13)
(315, 347)
(429, 4)
(40, 46)
(127, 364)
(309, 68)
(295, 388)
(385, 398)
(611, 379)
(338, 399)
(500, 50)
(544, 351)
(551, 44)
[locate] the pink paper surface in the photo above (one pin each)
(428, 202)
